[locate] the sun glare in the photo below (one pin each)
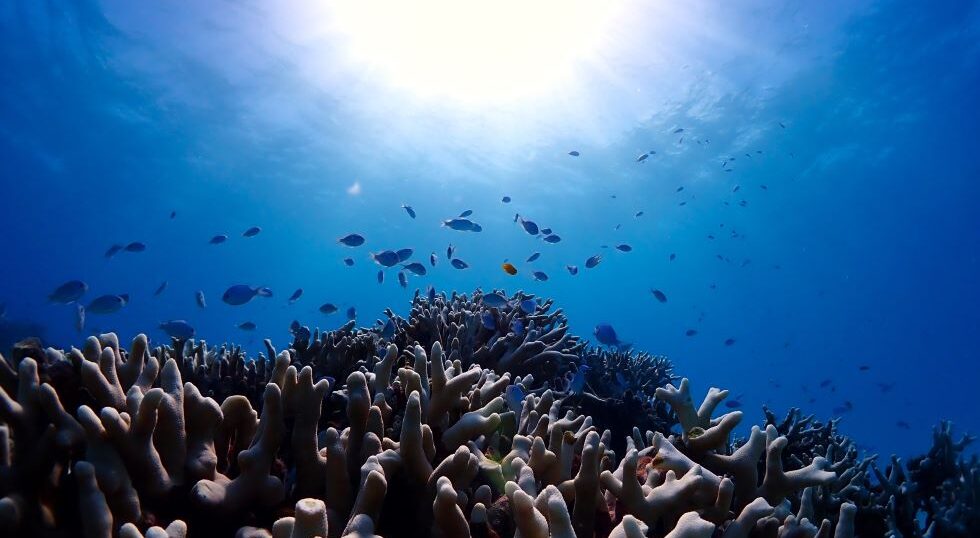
(473, 51)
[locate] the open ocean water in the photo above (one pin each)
(800, 181)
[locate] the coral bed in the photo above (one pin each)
(440, 424)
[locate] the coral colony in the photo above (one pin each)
(462, 420)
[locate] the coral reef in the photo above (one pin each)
(462, 420)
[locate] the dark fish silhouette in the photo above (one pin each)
(691, 332)
(459, 264)
(135, 246)
(328, 308)
(660, 296)
(218, 239)
(404, 254)
(177, 328)
(505, 199)
(408, 209)
(528, 225)
(160, 288)
(432, 259)
(113, 250)
(593, 261)
(729, 341)
(386, 258)
(552, 239)
(415, 268)
(247, 326)
(642, 157)
(296, 295)
(540, 276)
(381, 276)
(240, 294)
(533, 257)
(573, 153)
(199, 297)
(351, 240)
(624, 248)
(348, 262)
(402, 279)
(672, 257)
(606, 335)
(351, 313)
(466, 213)
(68, 292)
(572, 270)
(251, 232)
(173, 214)
(107, 304)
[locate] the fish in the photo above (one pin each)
(408, 209)
(462, 225)
(294, 327)
(296, 295)
(432, 259)
(351, 240)
(449, 251)
(247, 326)
(199, 297)
(736, 188)
(618, 226)
(177, 328)
(488, 322)
(678, 130)
(459, 264)
(173, 215)
(218, 239)
(327, 308)
(402, 279)
(509, 268)
(552, 238)
(624, 248)
(545, 231)
(638, 214)
(505, 199)
(349, 262)
(431, 292)
(415, 268)
(113, 250)
(660, 296)
(160, 288)
(572, 269)
(864, 367)
(517, 327)
(351, 313)
(781, 124)
(691, 332)
(606, 335)
(69, 292)
(729, 341)
(514, 396)
(466, 213)
(577, 384)
(386, 258)
(593, 261)
(825, 383)
(107, 304)
(763, 187)
(404, 254)
(494, 300)
(573, 153)
(642, 157)
(733, 404)
(381, 276)
(672, 257)
(240, 294)
(529, 306)
(540, 276)
(683, 203)
(533, 257)
(251, 232)
(79, 317)
(135, 246)
(529, 226)
(388, 329)
(679, 189)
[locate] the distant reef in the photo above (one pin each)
(462, 420)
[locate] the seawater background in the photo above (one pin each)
(112, 115)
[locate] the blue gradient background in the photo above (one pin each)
(113, 113)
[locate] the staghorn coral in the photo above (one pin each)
(446, 438)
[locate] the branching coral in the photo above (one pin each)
(431, 426)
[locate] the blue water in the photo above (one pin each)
(861, 250)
